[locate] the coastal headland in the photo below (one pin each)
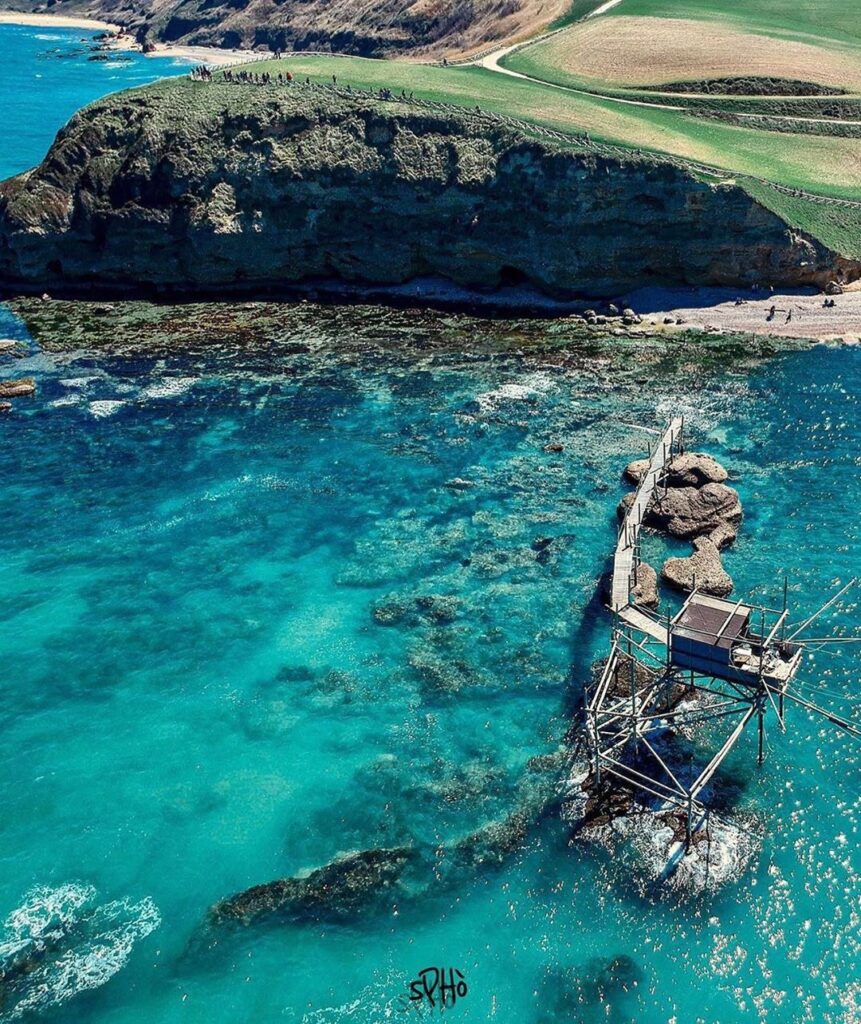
(214, 187)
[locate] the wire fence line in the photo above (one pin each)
(580, 139)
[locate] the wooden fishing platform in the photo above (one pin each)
(715, 661)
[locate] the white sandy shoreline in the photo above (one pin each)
(55, 21)
(201, 54)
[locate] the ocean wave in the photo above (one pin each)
(649, 853)
(168, 387)
(105, 407)
(61, 942)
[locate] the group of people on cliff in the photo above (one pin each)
(204, 74)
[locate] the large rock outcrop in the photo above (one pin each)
(692, 502)
(688, 512)
(204, 188)
(690, 469)
(702, 570)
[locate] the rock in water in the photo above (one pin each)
(596, 990)
(724, 534)
(645, 592)
(225, 187)
(703, 567)
(17, 388)
(691, 469)
(492, 843)
(689, 512)
(636, 470)
(348, 886)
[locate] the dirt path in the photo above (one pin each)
(604, 7)
(491, 63)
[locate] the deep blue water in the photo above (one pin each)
(199, 696)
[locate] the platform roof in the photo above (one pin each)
(712, 620)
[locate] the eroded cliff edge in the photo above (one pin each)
(207, 188)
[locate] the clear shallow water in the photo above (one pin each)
(198, 696)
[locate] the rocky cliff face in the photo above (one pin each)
(192, 187)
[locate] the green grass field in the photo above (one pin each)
(815, 163)
(835, 20)
(825, 165)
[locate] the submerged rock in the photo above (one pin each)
(702, 569)
(397, 609)
(598, 990)
(492, 843)
(346, 887)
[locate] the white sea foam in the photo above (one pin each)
(383, 999)
(646, 847)
(45, 912)
(65, 400)
(168, 387)
(79, 944)
(105, 407)
(78, 382)
(528, 389)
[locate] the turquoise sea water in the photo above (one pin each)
(47, 74)
(198, 695)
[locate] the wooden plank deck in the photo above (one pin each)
(633, 616)
(629, 532)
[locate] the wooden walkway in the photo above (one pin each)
(629, 534)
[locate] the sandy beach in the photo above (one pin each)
(55, 21)
(717, 309)
(211, 55)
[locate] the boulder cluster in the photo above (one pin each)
(693, 503)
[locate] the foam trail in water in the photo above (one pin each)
(60, 942)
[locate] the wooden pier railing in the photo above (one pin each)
(626, 555)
